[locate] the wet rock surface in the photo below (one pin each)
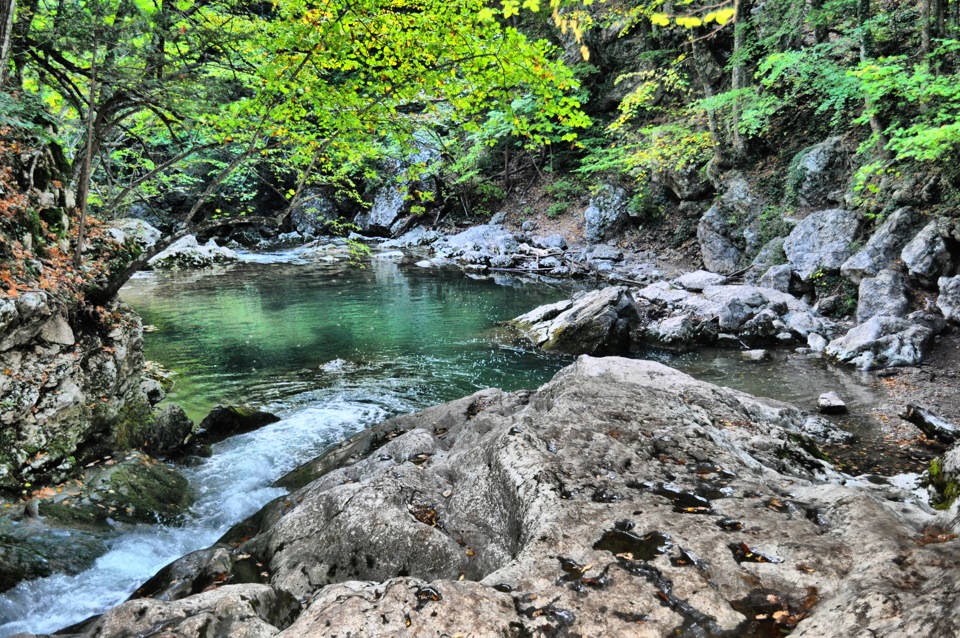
(188, 253)
(622, 498)
(229, 420)
(132, 489)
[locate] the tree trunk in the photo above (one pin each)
(740, 74)
(700, 66)
(925, 11)
(83, 186)
(866, 52)
(7, 9)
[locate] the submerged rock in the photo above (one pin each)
(30, 549)
(620, 492)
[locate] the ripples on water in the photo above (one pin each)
(399, 339)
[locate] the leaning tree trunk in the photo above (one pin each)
(7, 8)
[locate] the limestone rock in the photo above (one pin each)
(927, 255)
(777, 277)
(673, 332)
(30, 549)
(822, 241)
(134, 489)
(171, 431)
(550, 241)
(884, 246)
(47, 424)
(477, 245)
(819, 171)
(721, 230)
(238, 611)
(136, 230)
(885, 294)
(229, 420)
(311, 218)
(389, 205)
(622, 491)
(718, 247)
(418, 236)
(882, 342)
(949, 300)
(606, 215)
(697, 280)
(596, 322)
(831, 403)
(188, 253)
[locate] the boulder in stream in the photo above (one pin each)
(225, 421)
(595, 322)
(132, 489)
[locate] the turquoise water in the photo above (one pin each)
(277, 334)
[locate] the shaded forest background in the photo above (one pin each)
(198, 114)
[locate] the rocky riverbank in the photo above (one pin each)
(622, 498)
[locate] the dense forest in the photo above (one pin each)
(206, 113)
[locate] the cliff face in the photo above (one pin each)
(70, 388)
(70, 372)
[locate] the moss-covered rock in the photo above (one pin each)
(137, 489)
(943, 478)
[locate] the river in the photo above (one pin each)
(333, 348)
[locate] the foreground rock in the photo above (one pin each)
(621, 499)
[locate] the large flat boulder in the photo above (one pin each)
(622, 498)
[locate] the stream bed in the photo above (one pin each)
(333, 348)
